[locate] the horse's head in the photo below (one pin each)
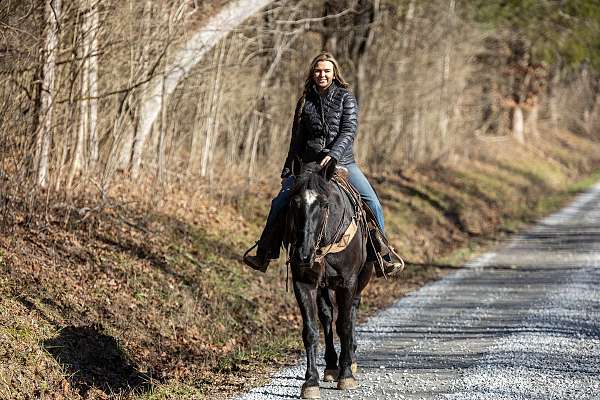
(308, 212)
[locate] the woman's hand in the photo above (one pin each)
(325, 160)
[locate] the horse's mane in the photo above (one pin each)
(310, 178)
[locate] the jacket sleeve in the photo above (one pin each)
(348, 127)
(295, 142)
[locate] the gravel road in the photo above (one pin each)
(520, 323)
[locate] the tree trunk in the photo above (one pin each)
(86, 134)
(197, 129)
(53, 8)
(362, 40)
(415, 145)
(61, 147)
(140, 134)
(78, 159)
(193, 50)
(257, 120)
(160, 148)
(517, 125)
(532, 119)
(445, 75)
(408, 31)
(213, 116)
(93, 85)
(330, 26)
(355, 44)
(520, 62)
(551, 92)
(77, 132)
(138, 61)
(406, 75)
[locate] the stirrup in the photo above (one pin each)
(384, 268)
(252, 261)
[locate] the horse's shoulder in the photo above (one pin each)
(342, 181)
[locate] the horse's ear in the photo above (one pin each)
(296, 166)
(328, 170)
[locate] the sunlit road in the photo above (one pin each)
(520, 323)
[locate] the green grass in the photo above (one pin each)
(173, 391)
(521, 217)
(269, 350)
(555, 201)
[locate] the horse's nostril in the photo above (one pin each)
(304, 260)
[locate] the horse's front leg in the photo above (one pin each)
(355, 306)
(345, 330)
(326, 317)
(306, 295)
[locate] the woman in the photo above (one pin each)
(325, 124)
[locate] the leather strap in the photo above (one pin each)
(340, 245)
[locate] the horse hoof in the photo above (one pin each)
(354, 368)
(310, 392)
(347, 384)
(330, 375)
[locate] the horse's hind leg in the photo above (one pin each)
(345, 299)
(363, 280)
(326, 317)
(306, 295)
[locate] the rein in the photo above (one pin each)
(322, 233)
(317, 248)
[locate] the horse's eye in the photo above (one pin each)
(323, 202)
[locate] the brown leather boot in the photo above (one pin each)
(390, 268)
(391, 263)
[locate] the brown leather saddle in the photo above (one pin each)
(366, 217)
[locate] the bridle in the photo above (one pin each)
(317, 246)
(318, 252)
(292, 245)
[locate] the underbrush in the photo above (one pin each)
(153, 286)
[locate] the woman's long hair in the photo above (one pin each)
(337, 77)
(337, 73)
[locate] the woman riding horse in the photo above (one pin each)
(324, 128)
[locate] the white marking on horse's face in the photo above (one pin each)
(310, 196)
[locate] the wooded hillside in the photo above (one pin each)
(94, 92)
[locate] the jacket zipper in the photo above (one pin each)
(325, 126)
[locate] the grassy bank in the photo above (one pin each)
(144, 297)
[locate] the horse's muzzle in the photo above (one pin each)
(306, 263)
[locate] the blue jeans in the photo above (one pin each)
(362, 185)
(280, 203)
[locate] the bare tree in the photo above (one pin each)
(44, 140)
(184, 59)
(86, 148)
(186, 92)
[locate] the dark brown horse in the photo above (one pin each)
(319, 214)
